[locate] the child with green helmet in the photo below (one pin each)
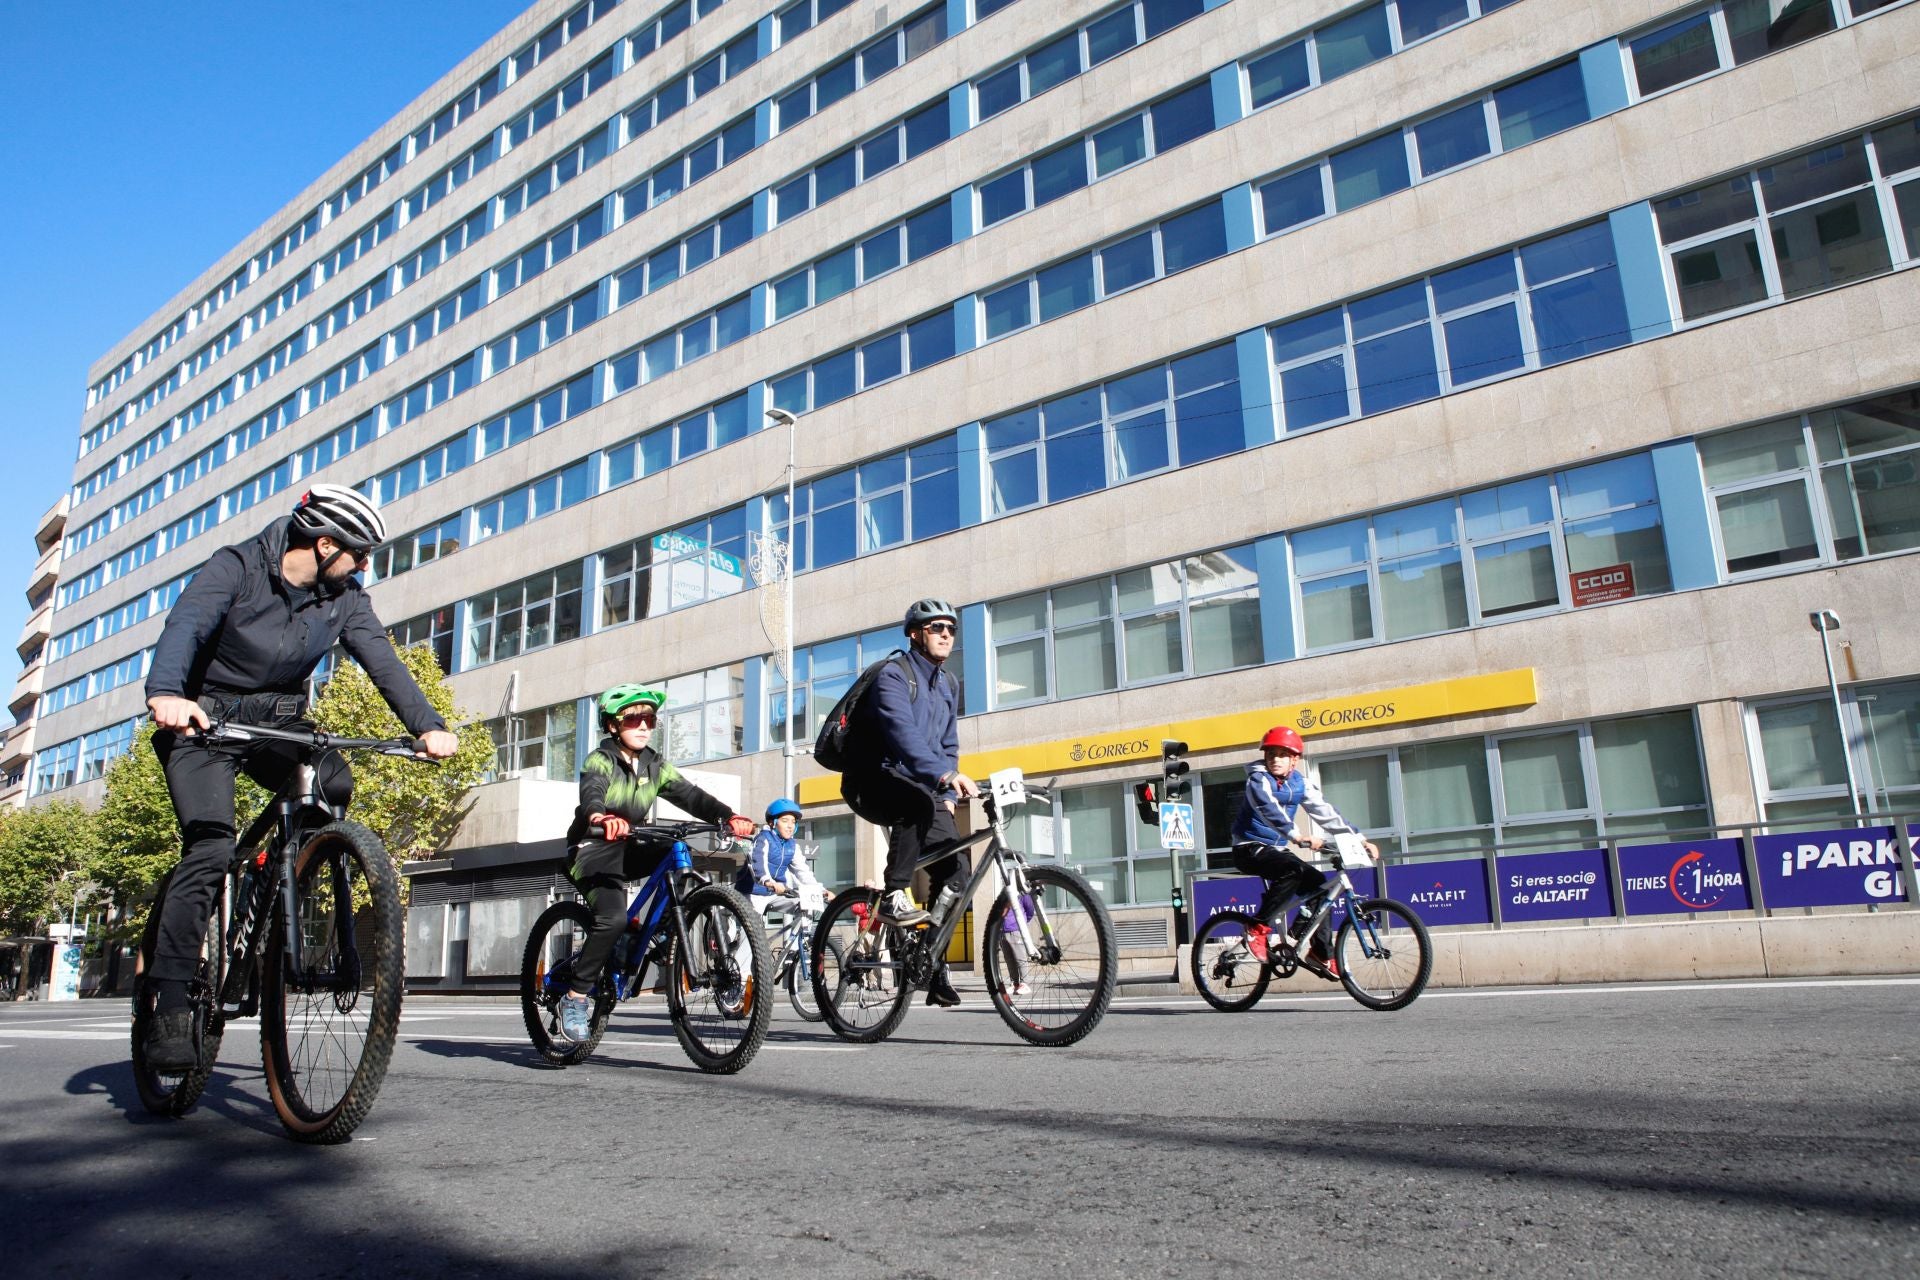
(619, 782)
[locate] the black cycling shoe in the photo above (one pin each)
(170, 1046)
(941, 994)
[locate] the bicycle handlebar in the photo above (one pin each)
(665, 830)
(403, 747)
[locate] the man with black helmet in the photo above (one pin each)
(240, 644)
(907, 778)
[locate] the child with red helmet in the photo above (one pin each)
(1277, 789)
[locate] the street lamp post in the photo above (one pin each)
(1824, 621)
(791, 423)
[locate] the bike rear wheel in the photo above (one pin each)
(173, 1093)
(1070, 983)
(800, 978)
(720, 984)
(1226, 973)
(327, 1031)
(859, 979)
(546, 975)
(1385, 954)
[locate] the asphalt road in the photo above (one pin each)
(1670, 1130)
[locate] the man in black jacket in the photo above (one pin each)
(240, 643)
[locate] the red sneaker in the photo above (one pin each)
(1257, 942)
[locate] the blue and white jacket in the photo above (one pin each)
(778, 860)
(1267, 814)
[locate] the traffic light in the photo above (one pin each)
(1175, 786)
(1146, 804)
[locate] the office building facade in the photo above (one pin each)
(1493, 389)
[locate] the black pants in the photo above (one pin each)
(915, 821)
(1288, 876)
(200, 779)
(603, 871)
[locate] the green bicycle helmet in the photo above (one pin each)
(622, 696)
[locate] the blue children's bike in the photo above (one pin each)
(702, 938)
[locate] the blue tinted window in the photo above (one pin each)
(1582, 249)
(1388, 309)
(927, 128)
(1483, 344)
(1194, 237)
(1504, 508)
(1397, 369)
(930, 340)
(1007, 309)
(880, 360)
(733, 321)
(1135, 391)
(936, 503)
(880, 254)
(790, 295)
(997, 92)
(1308, 335)
(663, 267)
(1016, 428)
(1066, 287)
(1003, 197)
(1291, 200)
(696, 339)
(879, 58)
(703, 160)
(1314, 392)
(1183, 117)
(692, 436)
(1128, 263)
(1475, 282)
(833, 379)
(833, 84)
(1578, 316)
(1452, 139)
(1278, 75)
(834, 176)
(1163, 14)
(833, 534)
(729, 420)
(928, 232)
(877, 155)
(1369, 171)
(1053, 64)
(833, 275)
(1111, 35)
(790, 392)
(1059, 172)
(1541, 105)
(736, 228)
(796, 106)
(793, 198)
(699, 249)
(1421, 18)
(1120, 145)
(1353, 42)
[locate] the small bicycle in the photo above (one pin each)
(1382, 952)
(308, 933)
(863, 978)
(792, 965)
(708, 943)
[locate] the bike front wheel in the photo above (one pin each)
(546, 975)
(1069, 980)
(720, 983)
(1385, 954)
(800, 977)
(327, 1029)
(173, 1093)
(859, 976)
(1226, 973)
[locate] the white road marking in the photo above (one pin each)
(1637, 989)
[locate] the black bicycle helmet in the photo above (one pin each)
(930, 609)
(343, 514)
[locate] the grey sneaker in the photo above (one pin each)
(897, 908)
(576, 1017)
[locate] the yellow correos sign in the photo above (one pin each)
(1403, 705)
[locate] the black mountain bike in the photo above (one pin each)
(1048, 951)
(308, 933)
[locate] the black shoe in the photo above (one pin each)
(170, 1047)
(941, 994)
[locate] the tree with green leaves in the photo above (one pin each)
(46, 855)
(413, 806)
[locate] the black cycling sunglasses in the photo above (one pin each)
(940, 629)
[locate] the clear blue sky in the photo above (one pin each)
(141, 142)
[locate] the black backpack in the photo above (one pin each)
(831, 749)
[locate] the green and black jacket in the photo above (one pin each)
(609, 783)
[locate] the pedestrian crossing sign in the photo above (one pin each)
(1176, 826)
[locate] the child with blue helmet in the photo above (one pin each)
(776, 865)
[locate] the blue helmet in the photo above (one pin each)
(781, 808)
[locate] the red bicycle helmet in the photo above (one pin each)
(1283, 737)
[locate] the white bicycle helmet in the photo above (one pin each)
(343, 514)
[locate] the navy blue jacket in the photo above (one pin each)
(915, 738)
(238, 627)
(1267, 813)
